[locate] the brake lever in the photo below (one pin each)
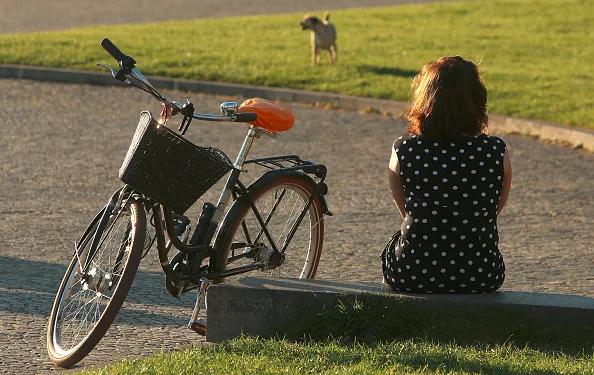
(121, 73)
(134, 73)
(187, 110)
(107, 68)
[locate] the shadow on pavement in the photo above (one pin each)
(29, 287)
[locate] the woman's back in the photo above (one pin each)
(460, 179)
(449, 234)
(449, 187)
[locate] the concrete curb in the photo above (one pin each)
(576, 138)
(292, 307)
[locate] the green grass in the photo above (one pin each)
(536, 55)
(376, 336)
(257, 356)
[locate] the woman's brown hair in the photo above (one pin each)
(449, 100)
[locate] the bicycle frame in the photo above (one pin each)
(233, 189)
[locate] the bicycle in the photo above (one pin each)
(269, 221)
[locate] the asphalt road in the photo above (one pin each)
(28, 15)
(61, 147)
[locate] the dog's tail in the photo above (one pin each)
(326, 16)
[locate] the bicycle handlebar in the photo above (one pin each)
(236, 117)
(123, 59)
(246, 117)
(112, 49)
(127, 68)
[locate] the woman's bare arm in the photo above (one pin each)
(395, 184)
(507, 180)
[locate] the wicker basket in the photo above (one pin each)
(168, 168)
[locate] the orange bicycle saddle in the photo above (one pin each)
(273, 117)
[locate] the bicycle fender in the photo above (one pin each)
(320, 187)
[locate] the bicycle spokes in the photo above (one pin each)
(87, 295)
(284, 213)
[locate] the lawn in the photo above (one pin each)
(257, 356)
(383, 336)
(536, 55)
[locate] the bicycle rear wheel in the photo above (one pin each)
(85, 307)
(280, 198)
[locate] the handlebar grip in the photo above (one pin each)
(112, 49)
(246, 117)
(117, 54)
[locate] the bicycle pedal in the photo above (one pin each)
(198, 326)
(171, 287)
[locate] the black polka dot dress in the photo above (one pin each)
(449, 234)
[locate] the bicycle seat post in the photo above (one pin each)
(234, 176)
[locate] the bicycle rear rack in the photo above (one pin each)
(291, 162)
(295, 163)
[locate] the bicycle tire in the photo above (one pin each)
(68, 357)
(241, 207)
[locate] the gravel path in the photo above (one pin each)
(27, 15)
(61, 147)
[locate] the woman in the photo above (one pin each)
(449, 181)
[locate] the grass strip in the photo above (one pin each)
(375, 336)
(535, 54)
(258, 356)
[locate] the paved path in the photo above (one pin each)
(61, 147)
(27, 15)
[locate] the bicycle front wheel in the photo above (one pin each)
(86, 305)
(281, 201)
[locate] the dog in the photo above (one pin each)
(323, 36)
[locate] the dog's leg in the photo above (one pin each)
(316, 55)
(314, 52)
(333, 53)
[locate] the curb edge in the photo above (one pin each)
(575, 138)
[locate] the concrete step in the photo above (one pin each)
(293, 308)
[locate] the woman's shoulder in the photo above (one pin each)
(493, 142)
(410, 142)
(402, 140)
(407, 141)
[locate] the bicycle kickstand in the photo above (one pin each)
(195, 324)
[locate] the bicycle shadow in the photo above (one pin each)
(314, 285)
(29, 287)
